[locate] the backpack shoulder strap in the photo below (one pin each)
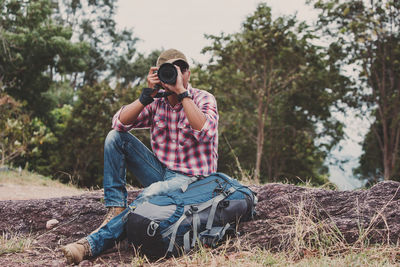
(214, 205)
(173, 229)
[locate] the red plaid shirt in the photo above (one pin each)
(175, 143)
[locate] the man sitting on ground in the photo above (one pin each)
(184, 140)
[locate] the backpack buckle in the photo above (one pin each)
(152, 228)
(224, 204)
(193, 209)
(211, 237)
(219, 189)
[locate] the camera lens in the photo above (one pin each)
(167, 73)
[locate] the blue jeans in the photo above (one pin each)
(123, 150)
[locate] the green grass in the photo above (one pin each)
(30, 178)
(14, 243)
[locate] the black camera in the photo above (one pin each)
(167, 73)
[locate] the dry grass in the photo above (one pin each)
(304, 233)
(305, 241)
(29, 178)
(254, 257)
(25, 185)
(14, 243)
(234, 253)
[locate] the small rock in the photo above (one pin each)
(51, 223)
(85, 263)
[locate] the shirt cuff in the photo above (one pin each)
(200, 134)
(118, 125)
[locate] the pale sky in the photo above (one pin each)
(180, 24)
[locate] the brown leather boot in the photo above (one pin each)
(76, 252)
(111, 213)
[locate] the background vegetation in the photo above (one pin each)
(64, 72)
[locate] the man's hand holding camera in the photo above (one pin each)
(178, 87)
(152, 77)
(147, 95)
(154, 84)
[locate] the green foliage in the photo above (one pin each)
(70, 71)
(58, 80)
(366, 36)
(271, 86)
(75, 154)
(60, 93)
(128, 71)
(112, 52)
(34, 49)
(370, 161)
(80, 132)
(19, 134)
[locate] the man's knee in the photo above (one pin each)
(113, 137)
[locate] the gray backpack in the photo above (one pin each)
(205, 212)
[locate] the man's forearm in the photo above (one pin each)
(195, 116)
(130, 112)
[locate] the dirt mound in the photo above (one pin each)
(352, 216)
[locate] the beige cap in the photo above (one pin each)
(170, 56)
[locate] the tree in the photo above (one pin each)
(112, 51)
(370, 160)
(81, 128)
(35, 50)
(19, 134)
(272, 84)
(58, 59)
(368, 35)
(38, 52)
(77, 155)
